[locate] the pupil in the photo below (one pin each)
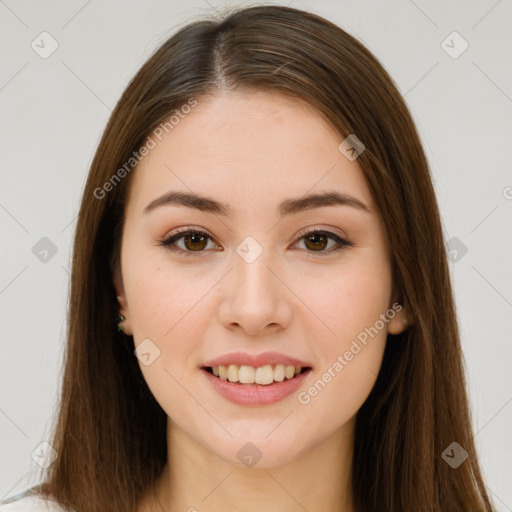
(314, 238)
(194, 238)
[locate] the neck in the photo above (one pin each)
(195, 480)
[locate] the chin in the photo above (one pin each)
(259, 452)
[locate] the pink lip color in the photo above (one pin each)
(255, 394)
(244, 358)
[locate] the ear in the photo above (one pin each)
(400, 321)
(121, 299)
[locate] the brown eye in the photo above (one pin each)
(192, 242)
(195, 242)
(316, 241)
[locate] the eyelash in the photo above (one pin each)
(168, 242)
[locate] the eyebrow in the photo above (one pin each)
(287, 207)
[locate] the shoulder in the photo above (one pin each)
(29, 501)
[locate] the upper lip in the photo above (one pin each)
(255, 360)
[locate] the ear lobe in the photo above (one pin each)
(118, 281)
(119, 290)
(399, 323)
(124, 322)
(121, 297)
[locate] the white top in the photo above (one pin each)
(29, 501)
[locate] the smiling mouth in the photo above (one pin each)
(262, 375)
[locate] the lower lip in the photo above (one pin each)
(255, 394)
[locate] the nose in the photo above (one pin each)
(254, 297)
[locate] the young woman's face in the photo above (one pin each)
(254, 289)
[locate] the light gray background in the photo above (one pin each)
(52, 115)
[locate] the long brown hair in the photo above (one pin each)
(110, 433)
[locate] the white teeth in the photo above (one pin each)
(233, 373)
(223, 372)
(263, 375)
(246, 374)
(289, 371)
(279, 372)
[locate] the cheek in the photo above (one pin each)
(160, 295)
(167, 307)
(352, 305)
(347, 300)
(335, 396)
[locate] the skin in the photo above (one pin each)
(252, 151)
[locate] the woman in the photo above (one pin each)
(260, 219)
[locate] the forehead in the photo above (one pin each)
(248, 148)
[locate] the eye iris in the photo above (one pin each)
(315, 239)
(195, 238)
